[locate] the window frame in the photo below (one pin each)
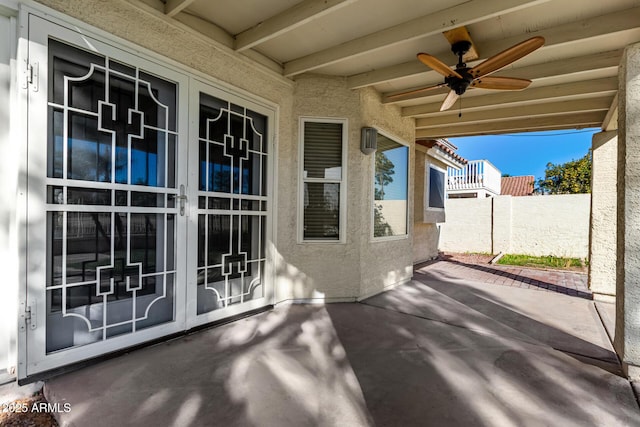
(342, 224)
(372, 237)
(427, 188)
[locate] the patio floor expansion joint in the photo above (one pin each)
(532, 341)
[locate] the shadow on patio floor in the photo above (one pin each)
(433, 352)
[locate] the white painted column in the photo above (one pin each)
(627, 336)
(603, 219)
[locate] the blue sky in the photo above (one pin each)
(526, 153)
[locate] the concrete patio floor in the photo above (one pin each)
(442, 350)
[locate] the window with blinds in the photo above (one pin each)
(322, 179)
(436, 188)
(390, 182)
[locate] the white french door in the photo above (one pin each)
(147, 202)
(227, 261)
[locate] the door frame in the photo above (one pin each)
(28, 208)
(40, 31)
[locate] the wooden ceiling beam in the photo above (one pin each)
(576, 31)
(565, 121)
(173, 7)
(561, 67)
(506, 113)
(605, 86)
(294, 17)
(207, 32)
(434, 23)
(610, 121)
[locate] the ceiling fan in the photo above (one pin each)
(462, 77)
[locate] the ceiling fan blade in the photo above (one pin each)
(507, 56)
(415, 91)
(449, 100)
(503, 83)
(437, 65)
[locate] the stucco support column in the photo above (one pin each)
(603, 219)
(627, 337)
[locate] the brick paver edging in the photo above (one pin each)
(564, 282)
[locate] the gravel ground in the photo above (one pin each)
(466, 258)
(23, 413)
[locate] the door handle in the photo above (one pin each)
(182, 199)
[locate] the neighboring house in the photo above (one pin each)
(517, 185)
(433, 159)
(157, 189)
(478, 179)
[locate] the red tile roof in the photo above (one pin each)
(443, 145)
(517, 185)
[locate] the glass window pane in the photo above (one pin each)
(89, 151)
(436, 188)
(85, 84)
(108, 273)
(323, 150)
(321, 211)
(390, 188)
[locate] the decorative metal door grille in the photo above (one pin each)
(111, 198)
(232, 204)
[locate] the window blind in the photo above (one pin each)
(322, 176)
(323, 150)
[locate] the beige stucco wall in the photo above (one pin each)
(546, 225)
(602, 247)
(425, 225)
(551, 225)
(384, 262)
(360, 266)
(322, 270)
(627, 335)
(468, 226)
(304, 271)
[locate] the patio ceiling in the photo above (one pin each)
(375, 42)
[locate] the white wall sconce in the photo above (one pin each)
(368, 140)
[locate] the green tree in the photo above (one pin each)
(384, 172)
(383, 175)
(573, 177)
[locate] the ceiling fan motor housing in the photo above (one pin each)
(459, 85)
(461, 47)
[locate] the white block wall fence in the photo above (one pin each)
(544, 225)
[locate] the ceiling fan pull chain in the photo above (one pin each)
(460, 105)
